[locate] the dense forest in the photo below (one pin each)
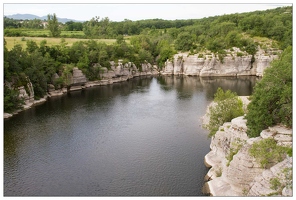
(152, 40)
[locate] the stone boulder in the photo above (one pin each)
(78, 78)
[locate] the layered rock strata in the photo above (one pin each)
(211, 65)
(241, 175)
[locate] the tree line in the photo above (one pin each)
(39, 62)
(152, 41)
(215, 33)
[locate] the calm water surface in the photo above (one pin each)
(138, 138)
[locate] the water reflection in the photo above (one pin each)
(186, 86)
(142, 137)
(242, 85)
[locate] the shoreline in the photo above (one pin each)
(62, 91)
(88, 84)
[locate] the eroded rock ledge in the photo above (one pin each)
(243, 176)
(210, 65)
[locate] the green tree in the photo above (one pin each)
(11, 99)
(31, 46)
(184, 41)
(271, 101)
(90, 27)
(228, 106)
(53, 25)
(166, 51)
(34, 67)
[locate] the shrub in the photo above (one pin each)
(267, 151)
(228, 106)
(239, 54)
(235, 147)
(282, 180)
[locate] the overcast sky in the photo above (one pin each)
(170, 10)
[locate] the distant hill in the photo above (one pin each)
(30, 17)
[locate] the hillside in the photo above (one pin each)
(31, 17)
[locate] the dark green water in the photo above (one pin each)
(138, 138)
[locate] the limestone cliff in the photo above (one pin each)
(26, 92)
(233, 172)
(210, 64)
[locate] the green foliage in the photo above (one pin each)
(266, 152)
(216, 44)
(275, 184)
(53, 25)
(11, 100)
(59, 83)
(234, 148)
(281, 181)
(73, 26)
(31, 46)
(154, 40)
(228, 106)
(239, 54)
(220, 95)
(166, 52)
(184, 42)
(219, 172)
(12, 32)
(200, 55)
(271, 101)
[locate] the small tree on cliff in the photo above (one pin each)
(228, 106)
(53, 25)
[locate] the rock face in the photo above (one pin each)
(78, 78)
(211, 65)
(234, 172)
(27, 94)
(282, 171)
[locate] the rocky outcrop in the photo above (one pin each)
(261, 185)
(233, 172)
(210, 64)
(26, 93)
(122, 72)
(78, 78)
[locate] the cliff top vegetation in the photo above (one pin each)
(152, 41)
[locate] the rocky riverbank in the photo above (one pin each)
(78, 81)
(240, 174)
(208, 65)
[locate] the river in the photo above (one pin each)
(143, 137)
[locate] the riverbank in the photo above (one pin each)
(233, 172)
(182, 64)
(53, 93)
